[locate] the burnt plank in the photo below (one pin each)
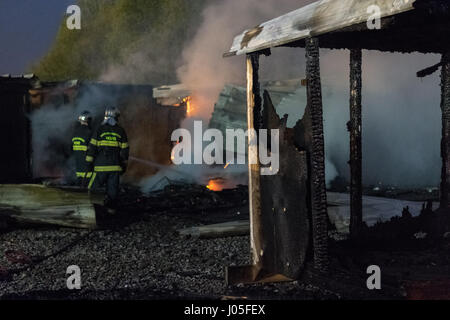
(285, 204)
(445, 145)
(253, 107)
(317, 156)
(355, 129)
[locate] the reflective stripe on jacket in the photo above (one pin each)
(80, 140)
(108, 148)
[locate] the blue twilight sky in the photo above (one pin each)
(27, 30)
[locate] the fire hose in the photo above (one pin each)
(15, 257)
(19, 257)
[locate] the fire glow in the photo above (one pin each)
(189, 108)
(189, 105)
(216, 185)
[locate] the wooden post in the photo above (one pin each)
(253, 116)
(445, 144)
(318, 184)
(355, 128)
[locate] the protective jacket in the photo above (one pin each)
(108, 149)
(108, 153)
(80, 140)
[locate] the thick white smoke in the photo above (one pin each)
(204, 69)
(401, 117)
(52, 126)
(401, 113)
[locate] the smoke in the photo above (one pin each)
(134, 70)
(146, 124)
(401, 115)
(139, 67)
(204, 71)
(52, 126)
(401, 118)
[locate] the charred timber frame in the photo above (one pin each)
(279, 220)
(251, 274)
(318, 184)
(258, 271)
(355, 128)
(254, 104)
(406, 27)
(445, 144)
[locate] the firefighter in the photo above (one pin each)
(108, 156)
(80, 140)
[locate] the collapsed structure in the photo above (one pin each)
(286, 209)
(229, 112)
(37, 126)
(32, 156)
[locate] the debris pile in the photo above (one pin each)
(187, 199)
(141, 255)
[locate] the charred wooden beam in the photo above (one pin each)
(254, 118)
(219, 230)
(318, 185)
(429, 71)
(38, 204)
(355, 128)
(252, 273)
(445, 144)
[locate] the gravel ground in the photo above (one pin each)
(145, 259)
(146, 254)
(139, 255)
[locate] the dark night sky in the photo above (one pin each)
(27, 30)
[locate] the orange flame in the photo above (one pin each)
(188, 102)
(172, 153)
(215, 185)
(189, 107)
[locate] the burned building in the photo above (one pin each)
(174, 241)
(229, 110)
(15, 128)
(40, 116)
(400, 26)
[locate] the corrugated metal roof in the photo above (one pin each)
(318, 18)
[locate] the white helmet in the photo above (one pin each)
(111, 116)
(112, 112)
(85, 117)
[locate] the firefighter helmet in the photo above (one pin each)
(85, 117)
(112, 112)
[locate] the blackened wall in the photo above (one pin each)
(15, 155)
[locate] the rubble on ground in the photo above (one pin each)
(140, 255)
